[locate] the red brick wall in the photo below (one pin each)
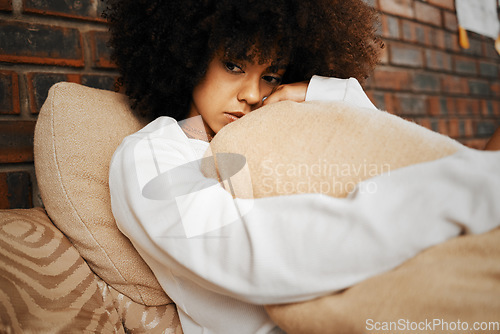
(424, 75)
(41, 43)
(427, 77)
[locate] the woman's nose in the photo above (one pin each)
(250, 92)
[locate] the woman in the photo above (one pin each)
(195, 66)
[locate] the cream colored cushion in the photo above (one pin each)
(77, 132)
(457, 280)
(318, 147)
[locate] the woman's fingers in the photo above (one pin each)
(290, 92)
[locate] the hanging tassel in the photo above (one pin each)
(464, 40)
(497, 44)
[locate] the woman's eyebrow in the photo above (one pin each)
(276, 68)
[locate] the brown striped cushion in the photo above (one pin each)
(46, 287)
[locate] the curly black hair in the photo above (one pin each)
(163, 47)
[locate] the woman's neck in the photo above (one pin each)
(195, 128)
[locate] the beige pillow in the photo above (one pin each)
(318, 147)
(77, 132)
(454, 281)
(453, 284)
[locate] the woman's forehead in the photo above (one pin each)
(254, 55)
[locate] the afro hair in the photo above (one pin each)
(163, 47)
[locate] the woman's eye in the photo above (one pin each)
(232, 67)
(272, 80)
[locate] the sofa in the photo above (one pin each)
(66, 267)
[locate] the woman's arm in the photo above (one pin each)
(322, 89)
(289, 248)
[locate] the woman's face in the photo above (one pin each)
(232, 89)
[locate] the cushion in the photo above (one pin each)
(45, 286)
(77, 132)
(457, 281)
(287, 145)
(318, 147)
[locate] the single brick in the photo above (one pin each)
(433, 106)
(461, 128)
(465, 65)
(15, 190)
(427, 13)
(487, 108)
(450, 21)
(479, 87)
(409, 105)
(40, 44)
(426, 82)
(454, 85)
(81, 9)
(468, 128)
(448, 4)
(9, 93)
(434, 126)
(453, 128)
(467, 107)
(476, 46)
(451, 42)
(415, 32)
(495, 89)
(442, 126)
(393, 79)
(438, 60)
(6, 5)
(397, 7)
(16, 141)
(106, 82)
(385, 101)
(485, 128)
(40, 83)
(488, 69)
(101, 52)
(437, 37)
(496, 108)
(489, 49)
(390, 26)
(406, 55)
(379, 100)
(438, 106)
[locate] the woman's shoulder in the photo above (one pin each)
(162, 137)
(161, 126)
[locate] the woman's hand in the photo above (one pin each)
(290, 92)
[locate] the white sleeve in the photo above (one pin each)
(334, 89)
(293, 248)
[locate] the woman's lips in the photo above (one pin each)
(233, 115)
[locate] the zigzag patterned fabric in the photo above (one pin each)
(46, 286)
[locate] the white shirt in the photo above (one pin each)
(220, 259)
